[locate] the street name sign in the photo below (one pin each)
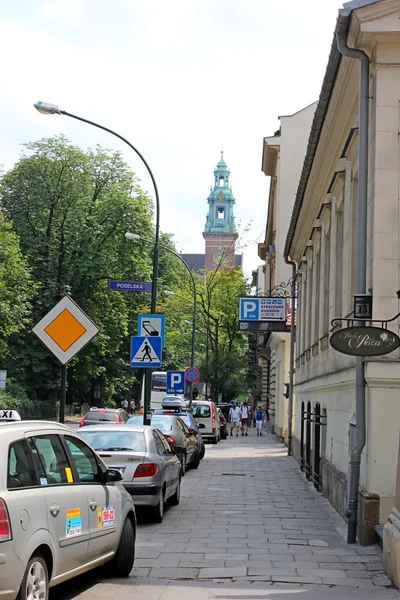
(65, 330)
(364, 341)
(146, 352)
(129, 286)
(151, 325)
(262, 309)
(175, 382)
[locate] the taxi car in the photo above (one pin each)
(62, 512)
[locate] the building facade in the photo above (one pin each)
(322, 240)
(282, 159)
(220, 233)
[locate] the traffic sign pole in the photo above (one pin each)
(63, 393)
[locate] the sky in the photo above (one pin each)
(180, 79)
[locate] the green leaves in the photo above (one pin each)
(70, 210)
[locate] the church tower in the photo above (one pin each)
(220, 231)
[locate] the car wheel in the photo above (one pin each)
(158, 511)
(214, 440)
(195, 462)
(177, 496)
(122, 563)
(202, 452)
(35, 582)
(183, 464)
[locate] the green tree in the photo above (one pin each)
(71, 210)
(17, 288)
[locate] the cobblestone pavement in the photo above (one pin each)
(250, 526)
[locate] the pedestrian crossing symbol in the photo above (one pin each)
(146, 351)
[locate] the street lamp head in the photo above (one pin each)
(132, 236)
(47, 109)
(169, 293)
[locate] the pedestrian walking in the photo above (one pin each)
(244, 413)
(259, 420)
(264, 416)
(133, 406)
(125, 405)
(234, 418)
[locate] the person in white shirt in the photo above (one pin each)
(244, 413)
(234, 418)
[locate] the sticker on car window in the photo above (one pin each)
(43, 481)
(106, 517)
(68, 474)
(73, 522)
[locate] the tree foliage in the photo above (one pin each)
(71, 210)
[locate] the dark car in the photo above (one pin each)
(99, 416)
(224, 424)
(183, 442)
(190, 421)
(225, 408)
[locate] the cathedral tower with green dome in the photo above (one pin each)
(220, 231)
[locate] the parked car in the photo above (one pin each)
(151, 471)
(206, 416)
(176, 406)
(62, 511)
(95, 416)
(224, 424)
(178, 436)
(225, 408)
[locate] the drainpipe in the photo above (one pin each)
(356, 450)
(291, 359)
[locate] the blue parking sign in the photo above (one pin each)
(175, 382)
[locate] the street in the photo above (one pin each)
(248, 526)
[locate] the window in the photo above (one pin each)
(317, 273)
(159, 445)
(183, 426)
(202, 411)
(327, 275)
(84, 460)
(221, 181)
(339, 263)
(21, 471)
(220, 212)
(164, 424)
(50, 459)
(159, 382)
(115, 440)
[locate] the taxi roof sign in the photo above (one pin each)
(65, 330)
(9, 415)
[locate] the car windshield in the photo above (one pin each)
(115, 441)
(164, 424)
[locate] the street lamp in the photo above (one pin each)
(52, 109)
(135, 237)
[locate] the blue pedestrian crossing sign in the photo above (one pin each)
(175, 382)
(146, 351)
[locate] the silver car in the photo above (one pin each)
(62, 512)
(152, 472)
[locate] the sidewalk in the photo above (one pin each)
(248, 516)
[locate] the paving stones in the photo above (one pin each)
(268, 524)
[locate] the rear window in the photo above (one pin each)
(135, 420)
(95, 415)
(201, 411)
(162, 423)
(115, 441)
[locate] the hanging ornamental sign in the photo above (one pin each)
(364, 341)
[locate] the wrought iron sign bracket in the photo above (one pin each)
(352, 322)
(283, 290)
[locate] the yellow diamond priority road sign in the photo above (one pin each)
(65, 330)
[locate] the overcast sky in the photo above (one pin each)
(178, 78)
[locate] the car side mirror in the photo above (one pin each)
(114, 475)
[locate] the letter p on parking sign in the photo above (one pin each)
(249, 309)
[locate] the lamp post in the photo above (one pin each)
(136, 237)
(52, 109)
